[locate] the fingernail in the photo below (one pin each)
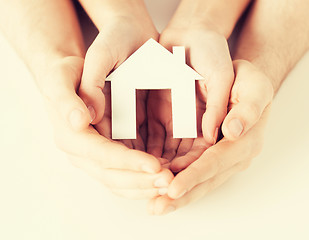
(162, 191)
(147, 169)
(160, 182)
(92, 113)
(235, 126)
(169, 209)
(216, 135)
(76, 118)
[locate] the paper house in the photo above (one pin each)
(154, 67)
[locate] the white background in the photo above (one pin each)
(43, 197)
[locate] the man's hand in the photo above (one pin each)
(252, 92)
(208, 53)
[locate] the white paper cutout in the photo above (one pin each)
(154, 67)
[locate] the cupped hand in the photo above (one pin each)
(129, 173)
(250, 102)
(176, 154)
(207, 52)
(117, 40)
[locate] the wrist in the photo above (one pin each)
(263, 66)
(215, 16)
(41, 62)
(107, 11)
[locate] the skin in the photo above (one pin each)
(261, 70)
(57, 62)
(47, 36)
(203, 28)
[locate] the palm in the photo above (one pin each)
(190, 150)
(104, 127)
(178, 152)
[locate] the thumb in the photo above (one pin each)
(75, 111)
(59, 88)
(99, 61)
(251, 94)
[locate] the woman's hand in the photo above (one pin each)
(121, 35)
(249, 102)
(208, 53)
(129, 173)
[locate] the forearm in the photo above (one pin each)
(103, 11)
(41, 31)
(220, 16)
(275, 37)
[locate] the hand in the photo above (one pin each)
(117, 40)
(129, 173)
(208, 53)
(253, 91)
(176, 154)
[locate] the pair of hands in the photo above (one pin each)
(124, 167)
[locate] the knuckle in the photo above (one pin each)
(211, 184)
(252, 111)
(216, 164)
(195, 171)
(104, 161)
(220, 165)
(180, 185)
(220, 110)
(221, 76)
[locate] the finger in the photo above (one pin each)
(138, 143)
(170, 144)
(157, 116)
(209, 55)
(219, 158)
(128, 143)
(125, 179)
(216, 66)
(251, 94)
(165, 115)
(184, 146)
(164, 163)
(104, 127)
(60, 91)
(164, 205)
(137, 194)
(183, 161)
(141, 125)
(105, 153)
(99, 61)
(218, 90)
(156, 136)
(210, 163)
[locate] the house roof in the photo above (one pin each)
(153, 59)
